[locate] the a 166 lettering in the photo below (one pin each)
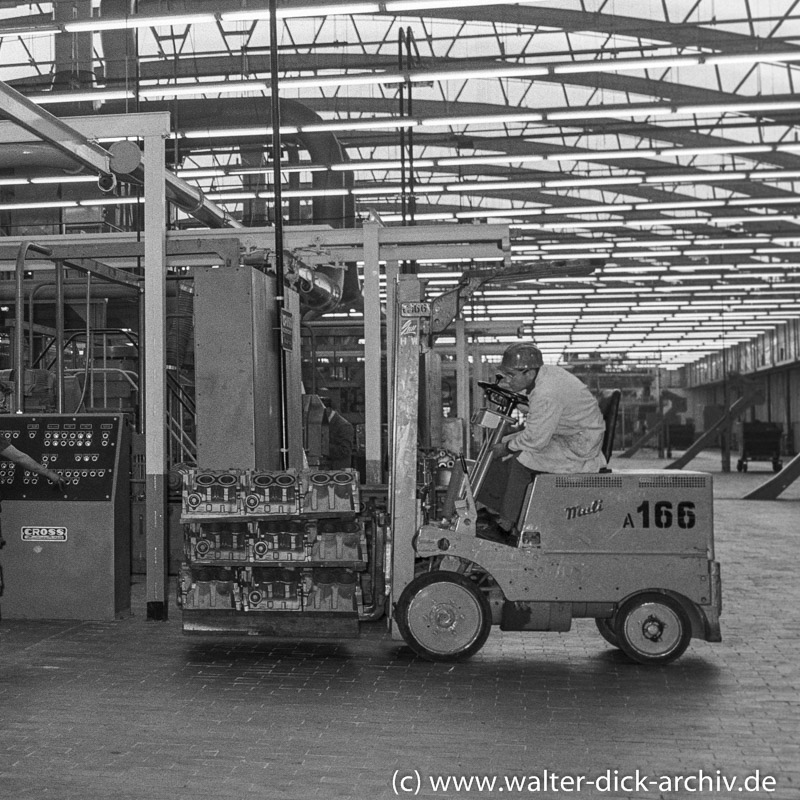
(662, 514)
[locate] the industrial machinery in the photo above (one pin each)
(275, 553)
(297, 553)
(633, 550)
(67, 554)
(278, 542)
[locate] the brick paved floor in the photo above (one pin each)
(136, 710)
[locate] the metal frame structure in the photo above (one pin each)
(373, 245)
(660, 137)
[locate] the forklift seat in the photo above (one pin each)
(609, 407)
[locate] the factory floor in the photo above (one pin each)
(136, 710)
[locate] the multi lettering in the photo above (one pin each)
(581, 511)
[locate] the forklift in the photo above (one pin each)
(312, 553)
(634, 550)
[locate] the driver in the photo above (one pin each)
(563, 431)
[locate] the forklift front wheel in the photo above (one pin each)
(443, 616)
(653, 628)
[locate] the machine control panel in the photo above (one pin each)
(81, 448)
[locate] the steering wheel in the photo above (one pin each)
(499, 396)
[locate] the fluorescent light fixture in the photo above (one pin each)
(691, 204)
(65, 179)
(692, 177)
(96, 96)
(470, 186)
(592, 182)
(325, 10)
(230, 196)
(332, 9)
(225, 133)
(418, 5)
(699, 251)
(611, 112)
(216, 172)
(187, 89)
(313, 10)
(482, 119)
(501, 212)
(615, 207)
(360, 124)
(719, 150)
(749, 58)
(424, 217)
(465, 160)
(344, 79)
(27, 30)
(618, 64)
(49, 204)
(372, 166)
(740, 108)
(112, 201)
(499, 71)
(574, 246)
(654, 253)
(777, 174)
(308, 192)
(122, 23)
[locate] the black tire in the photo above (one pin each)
(777, 465)
(739, 465)
(653, 628)
(606, 628)
(443, 616)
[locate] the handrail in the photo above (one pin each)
(130, 335)
(181, 395)
(126, 373)
(187, 447)
(19, 319)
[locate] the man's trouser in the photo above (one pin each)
(504, 487)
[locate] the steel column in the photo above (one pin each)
(372, 354)
(155, 384)
(60, 336)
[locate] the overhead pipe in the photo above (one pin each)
(122, 160)
(317, 290)
(323, 147)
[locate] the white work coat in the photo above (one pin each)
(563, 427)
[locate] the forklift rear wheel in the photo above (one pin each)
(653, 628)
(443, 616)
(606, 628)
(777, 465)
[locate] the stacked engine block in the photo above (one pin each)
(264, 545)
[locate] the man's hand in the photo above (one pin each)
(500, 450)
(59, 484)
